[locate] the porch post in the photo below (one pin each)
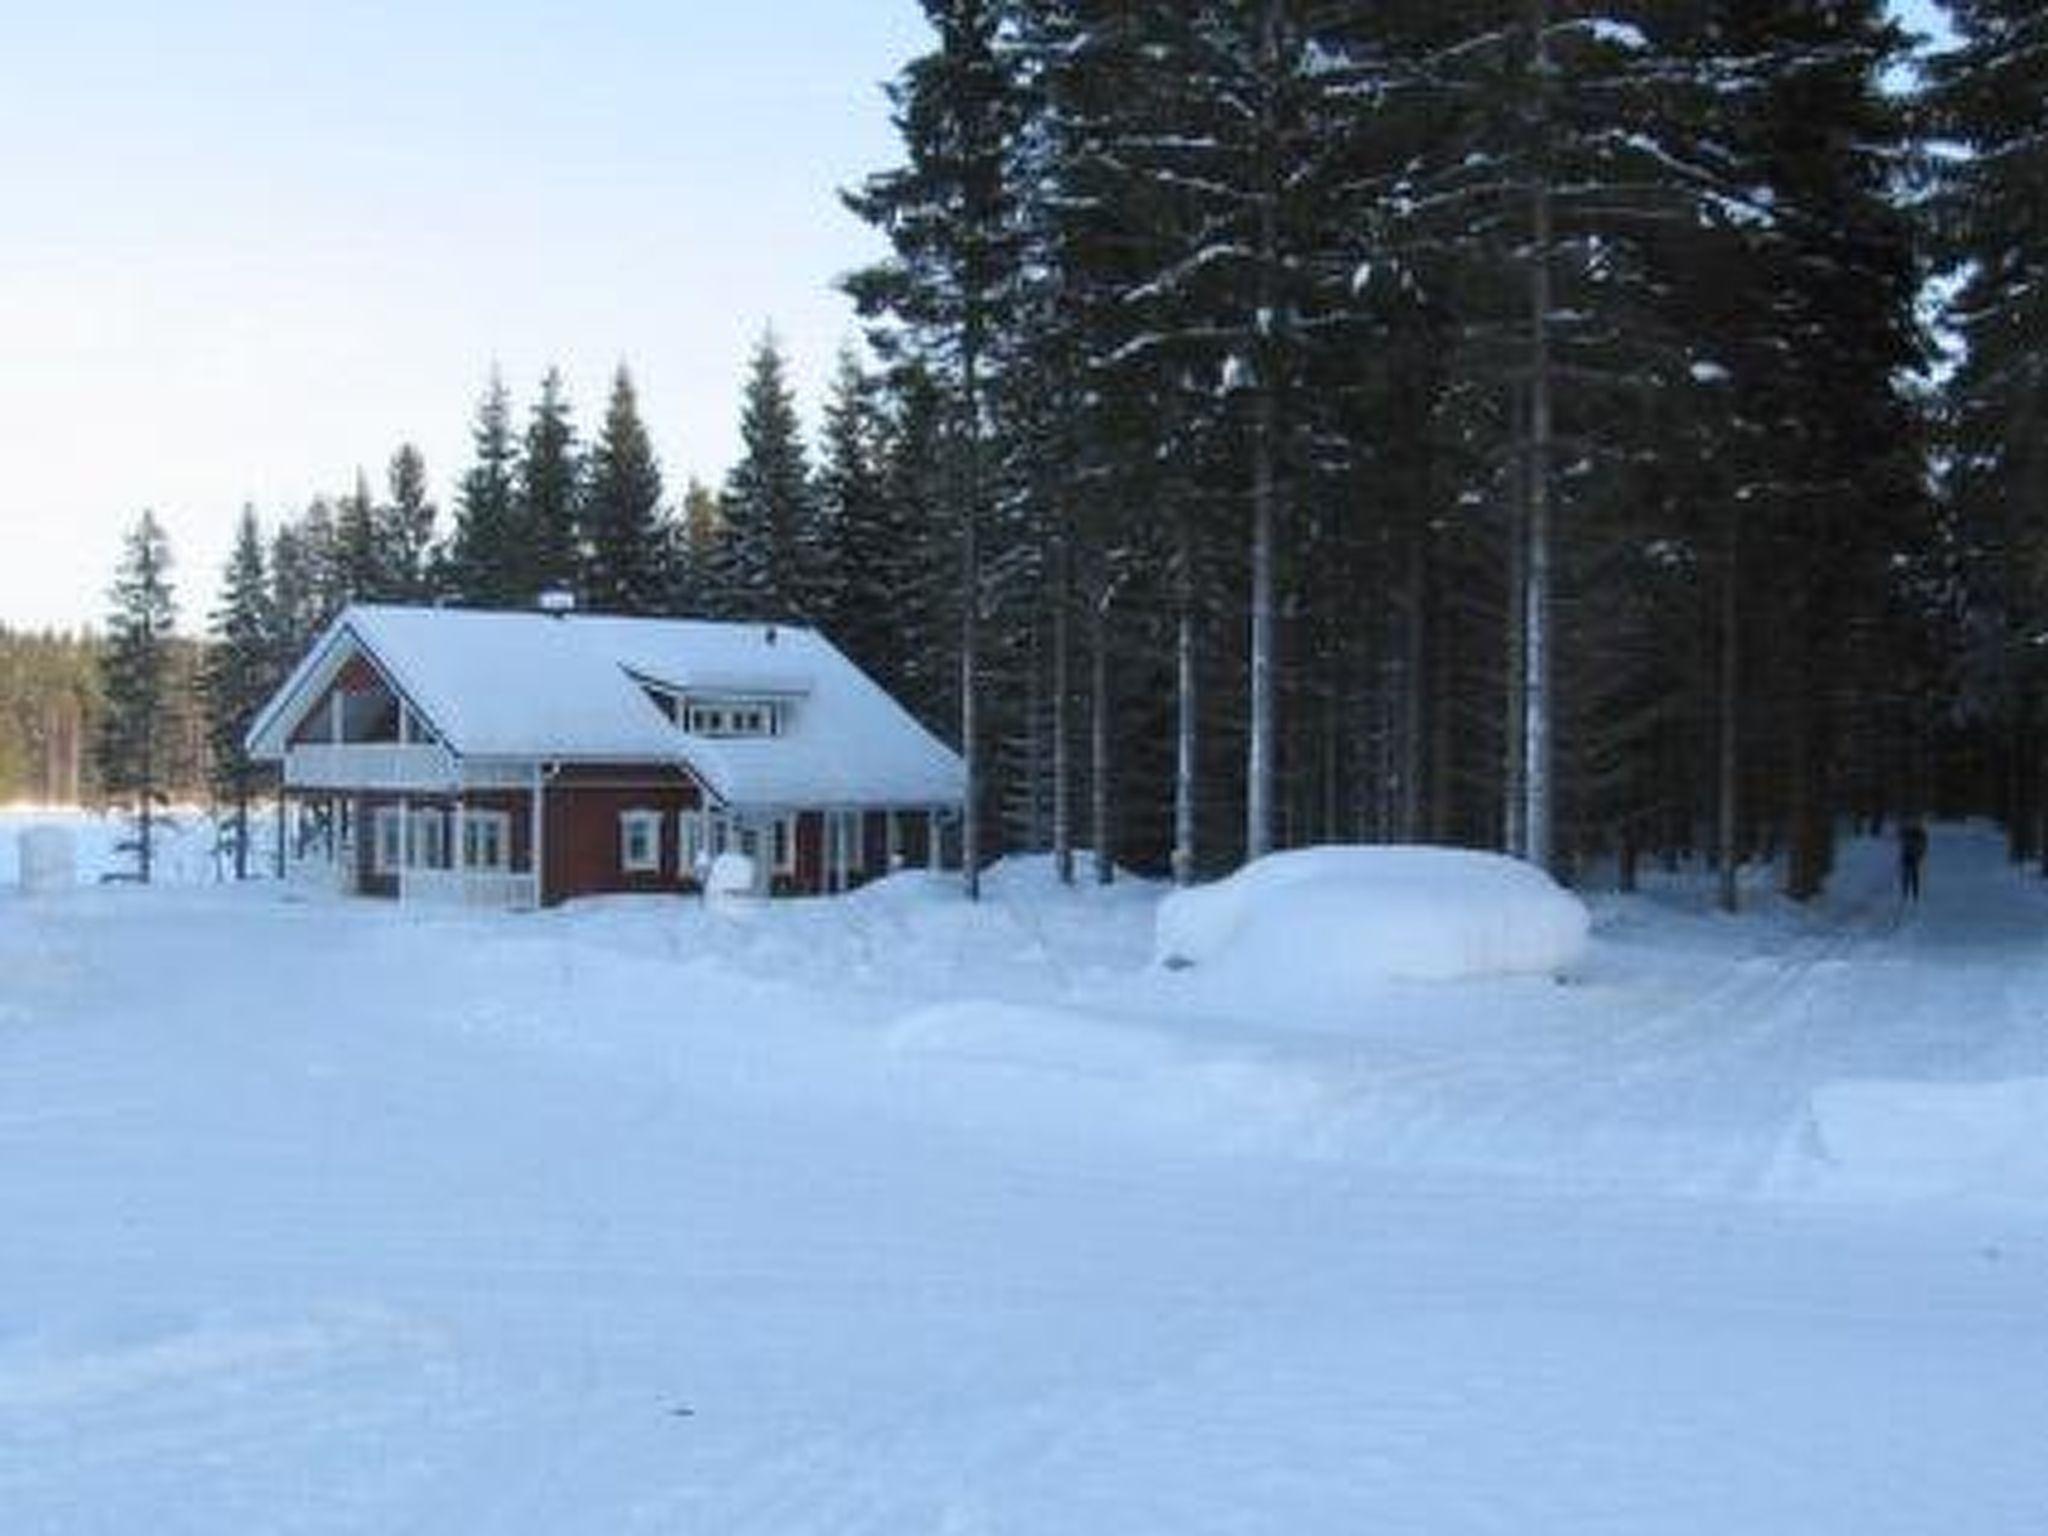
(536, 823)
(895, 842)
(931, 847)
(404, 841)
(458, 853)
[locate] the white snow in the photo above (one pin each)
(1328, 918)
(894, 1213)
(1925, 1140)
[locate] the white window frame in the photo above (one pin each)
(853, 840)
(731, 717)
(701, 836)
(640, 820)
(429, 838)
(487, 827)
(783, 835)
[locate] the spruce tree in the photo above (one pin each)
(406, 527)
(136, 682)
(359, 550)
(626, 552)
(866, 545)
(950, 215)
(695, 553)
(769, 559)
(548, 488)
(1989, 101)
(240, 672)
(484, 555)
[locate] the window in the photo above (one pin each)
(640, 842)
(785, 845)
(701, 836)
(486, 840)
(388, 851)
(738, 717)
(429, 840)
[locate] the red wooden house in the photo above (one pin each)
(523, 758)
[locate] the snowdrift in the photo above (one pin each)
(1913, 1140)
(1342, 917)
(48, 859)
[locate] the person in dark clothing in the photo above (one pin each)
(1912, 853)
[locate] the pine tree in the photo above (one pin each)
(866, 545)
(359, 550)
(406, 528)
(549, 477)
(136, 681)
(239, 674)
(626, 546)
(485, 551)
(295, 607)
(949, 214)
(769, 560)
(1989, 99)
(695, 552)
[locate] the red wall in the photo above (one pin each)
(581, 841)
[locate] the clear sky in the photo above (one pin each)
(246, 248)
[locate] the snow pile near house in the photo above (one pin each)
(1910, 1140)
(185, 840)
(48, 859)
(1346, 917)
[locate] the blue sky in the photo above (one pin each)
(247, 248)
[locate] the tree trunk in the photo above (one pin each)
(1062, 766)
(1259, 768)
(1728, 774)
(1538, 790)
(1414, 710)
(970, 631)
(1185, 717)
(1105, 865)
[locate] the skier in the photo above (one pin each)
(1912, 852)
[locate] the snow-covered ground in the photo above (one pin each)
(886, 1214)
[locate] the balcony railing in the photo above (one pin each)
(369, 765)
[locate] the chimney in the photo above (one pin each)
(557, 602)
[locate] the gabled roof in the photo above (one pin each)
(533, 686)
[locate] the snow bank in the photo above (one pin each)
(48, 859)
(1351, 916)
(1893, 1140)
(184, 849)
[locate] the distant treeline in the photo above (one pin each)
(50, 711)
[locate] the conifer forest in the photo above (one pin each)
(1606, 432)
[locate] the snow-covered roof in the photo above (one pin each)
(534, 686)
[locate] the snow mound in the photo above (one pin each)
(48, 859)
(1912, 1140)
(1344, 917)
(730, 878)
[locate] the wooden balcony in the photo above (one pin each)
(371, 765)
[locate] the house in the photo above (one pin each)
(522, 758)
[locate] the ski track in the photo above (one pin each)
(580, 1224)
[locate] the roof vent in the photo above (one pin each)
(558, 601)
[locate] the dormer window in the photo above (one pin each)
(731, 717)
